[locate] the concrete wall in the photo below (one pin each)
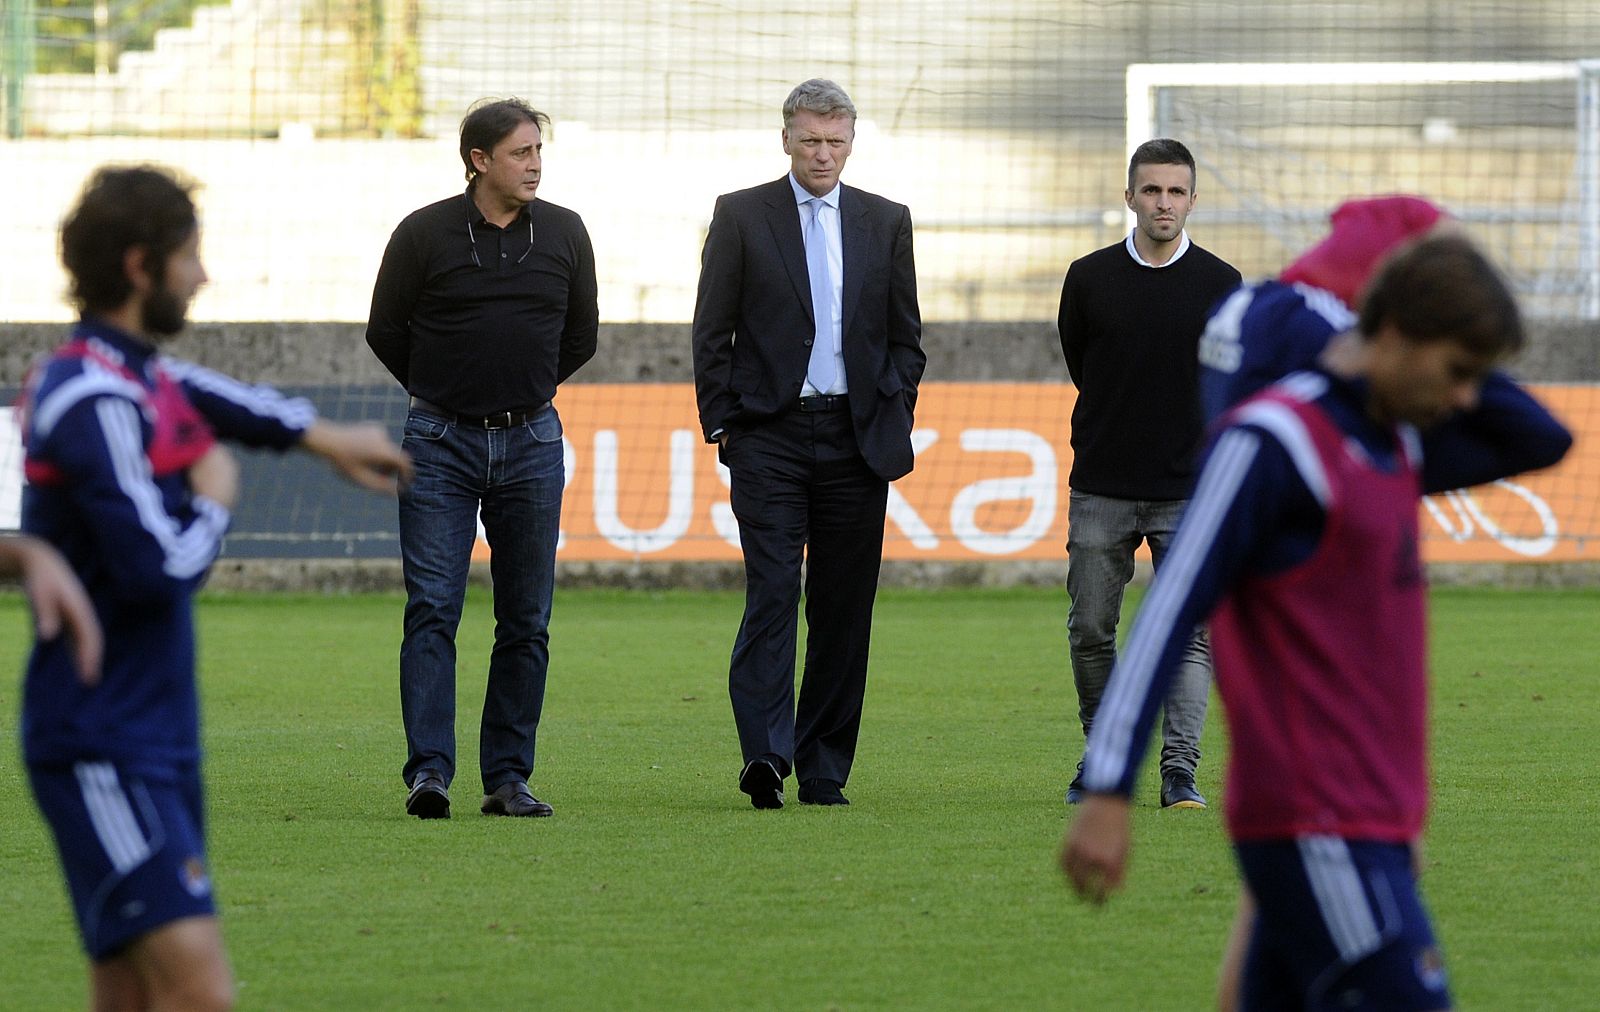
(318, 354)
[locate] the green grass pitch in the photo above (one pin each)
(657, 886)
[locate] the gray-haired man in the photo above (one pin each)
(807, 354)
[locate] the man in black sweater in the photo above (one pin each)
(485, 301)
(1131, 319)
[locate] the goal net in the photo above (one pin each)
(1511, 149)
(316, 125)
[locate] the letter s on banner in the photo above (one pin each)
(10, 470)
(1039, 487)
(722, 518)
(569, 466)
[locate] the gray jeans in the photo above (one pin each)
(1102, 535)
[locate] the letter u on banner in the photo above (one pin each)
(680, 495)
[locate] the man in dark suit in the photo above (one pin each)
(807, 354)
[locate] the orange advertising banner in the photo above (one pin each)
(992, 461)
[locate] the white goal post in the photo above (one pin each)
(1147, 81)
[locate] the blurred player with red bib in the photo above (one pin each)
(1301, 547)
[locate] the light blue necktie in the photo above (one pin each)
(820, 371)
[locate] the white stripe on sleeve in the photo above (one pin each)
(186, 552)
(92, 382)
(263, 401)
(1327, 305)
(1287, 428)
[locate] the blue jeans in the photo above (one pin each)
(515, 477)
(1102, 534)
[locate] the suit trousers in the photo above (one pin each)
(801, 490)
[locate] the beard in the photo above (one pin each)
(162, 313)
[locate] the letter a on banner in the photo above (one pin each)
(1038, 487)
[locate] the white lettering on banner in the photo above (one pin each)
(722, 517)
(680, 495)
(10, 470)
(1038, 486)
(904, 516)
(900, 512)
(1468, 511)
(569, 464)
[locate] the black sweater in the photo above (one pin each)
(1131, 334)
(491, 334)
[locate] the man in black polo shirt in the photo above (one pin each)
(484, 303)
(1131, 319)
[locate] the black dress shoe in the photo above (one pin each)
(763, 783)
(821, 792)
(429, 798)
(514, 798)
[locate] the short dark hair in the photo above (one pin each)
(1442, 288)
(1161, 151)
(490, 121)
(122, 208)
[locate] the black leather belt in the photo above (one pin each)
(825, 402)
(498, 420)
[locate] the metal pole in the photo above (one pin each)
(102, 38)
(1140, 90)
(16, 61)
(1589, 186)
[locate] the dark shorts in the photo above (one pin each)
(1339, 925)
(132, 848)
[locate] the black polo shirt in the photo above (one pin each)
(478, 319)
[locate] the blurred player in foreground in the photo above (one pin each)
(1267, 329)
(1301, 547)
(59, 602)
(126, 478)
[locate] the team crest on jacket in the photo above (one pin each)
(1430, 968)
(194, 876)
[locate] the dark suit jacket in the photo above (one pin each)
(753, 323)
